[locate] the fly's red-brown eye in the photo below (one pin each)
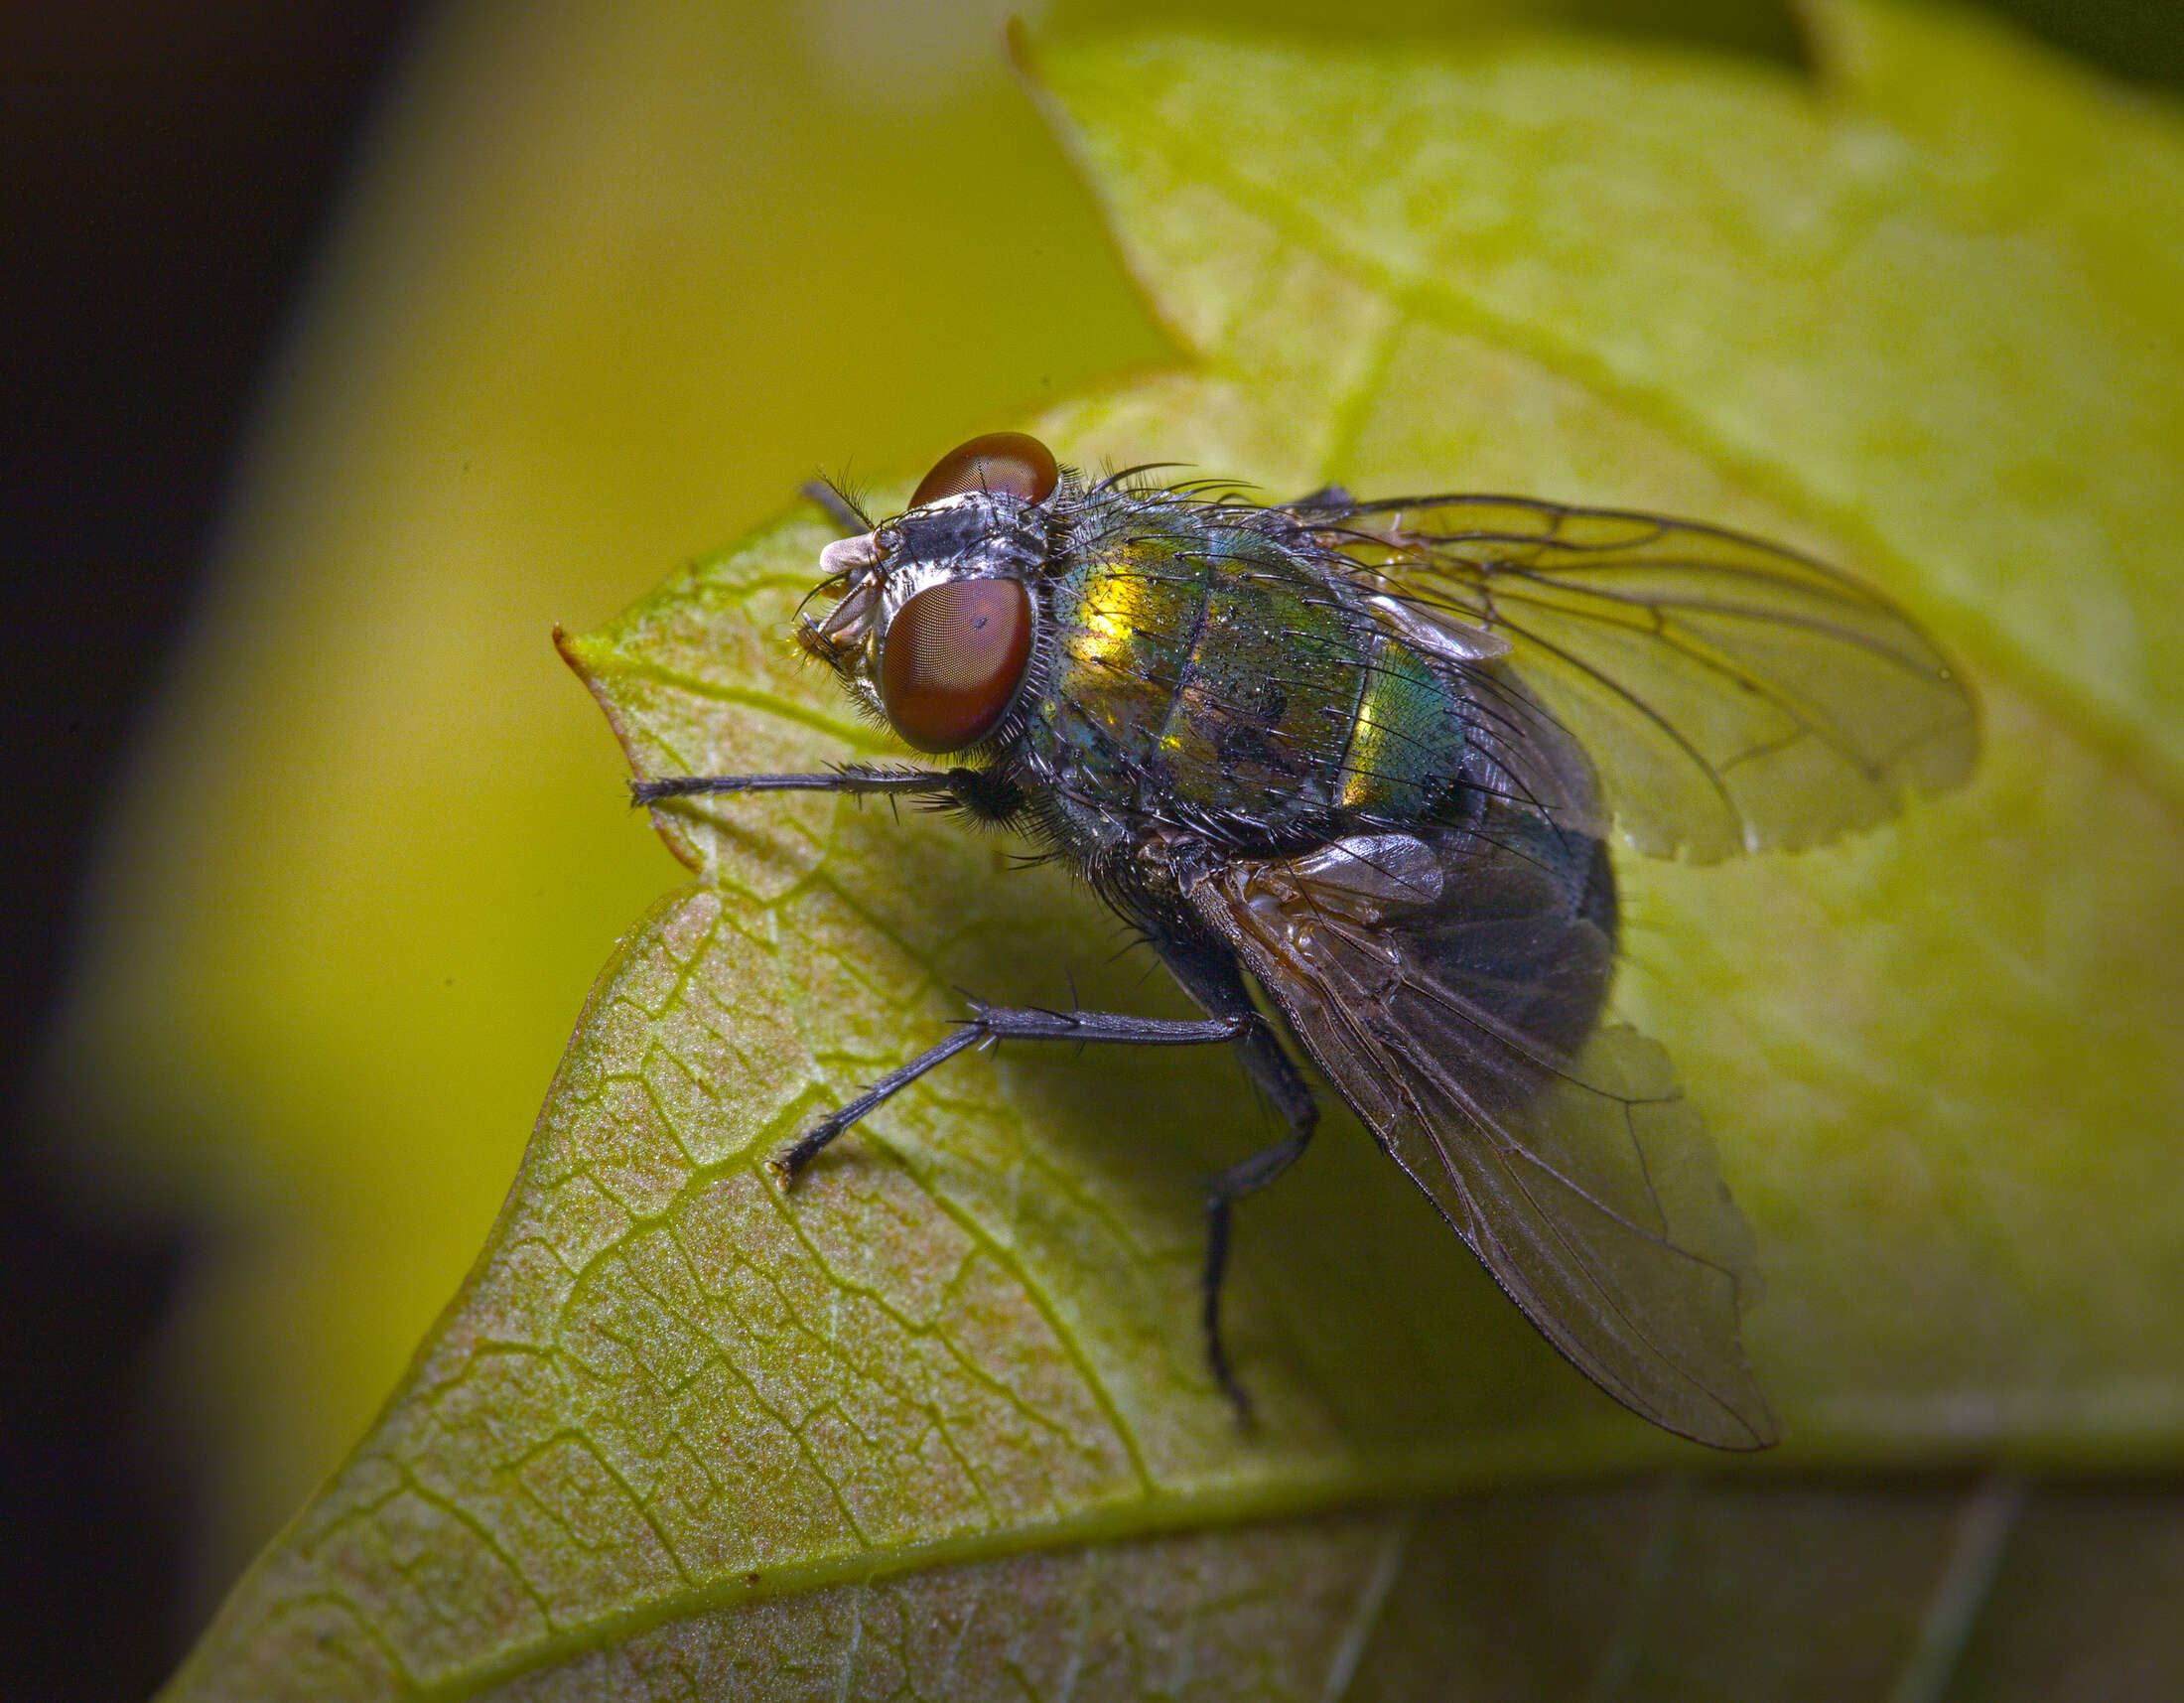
(1009, 462)
(951, 660)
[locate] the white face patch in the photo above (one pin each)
(905, 580)
(966, 536)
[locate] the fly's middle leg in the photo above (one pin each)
(986, 1025)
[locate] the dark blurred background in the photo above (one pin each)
(168, 173)
(167, 168)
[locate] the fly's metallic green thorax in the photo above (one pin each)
(1207, 670)
(1361, 753)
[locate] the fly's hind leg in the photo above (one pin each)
(1209, 974)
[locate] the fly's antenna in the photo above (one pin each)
(840, 500)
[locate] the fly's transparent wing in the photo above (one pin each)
(1463, 1034)
(1735, 695)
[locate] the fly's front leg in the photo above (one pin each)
(1209, 973)
(972, 791)
(988, 1024)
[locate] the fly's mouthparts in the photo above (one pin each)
(809, 641)
(852, 567)
(844, 626)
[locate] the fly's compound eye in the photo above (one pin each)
(951, 660)
(1007, 462)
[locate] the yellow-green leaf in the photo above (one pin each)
(937, 1415)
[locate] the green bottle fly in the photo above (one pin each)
(1365, 756)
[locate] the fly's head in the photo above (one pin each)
(936, 623)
